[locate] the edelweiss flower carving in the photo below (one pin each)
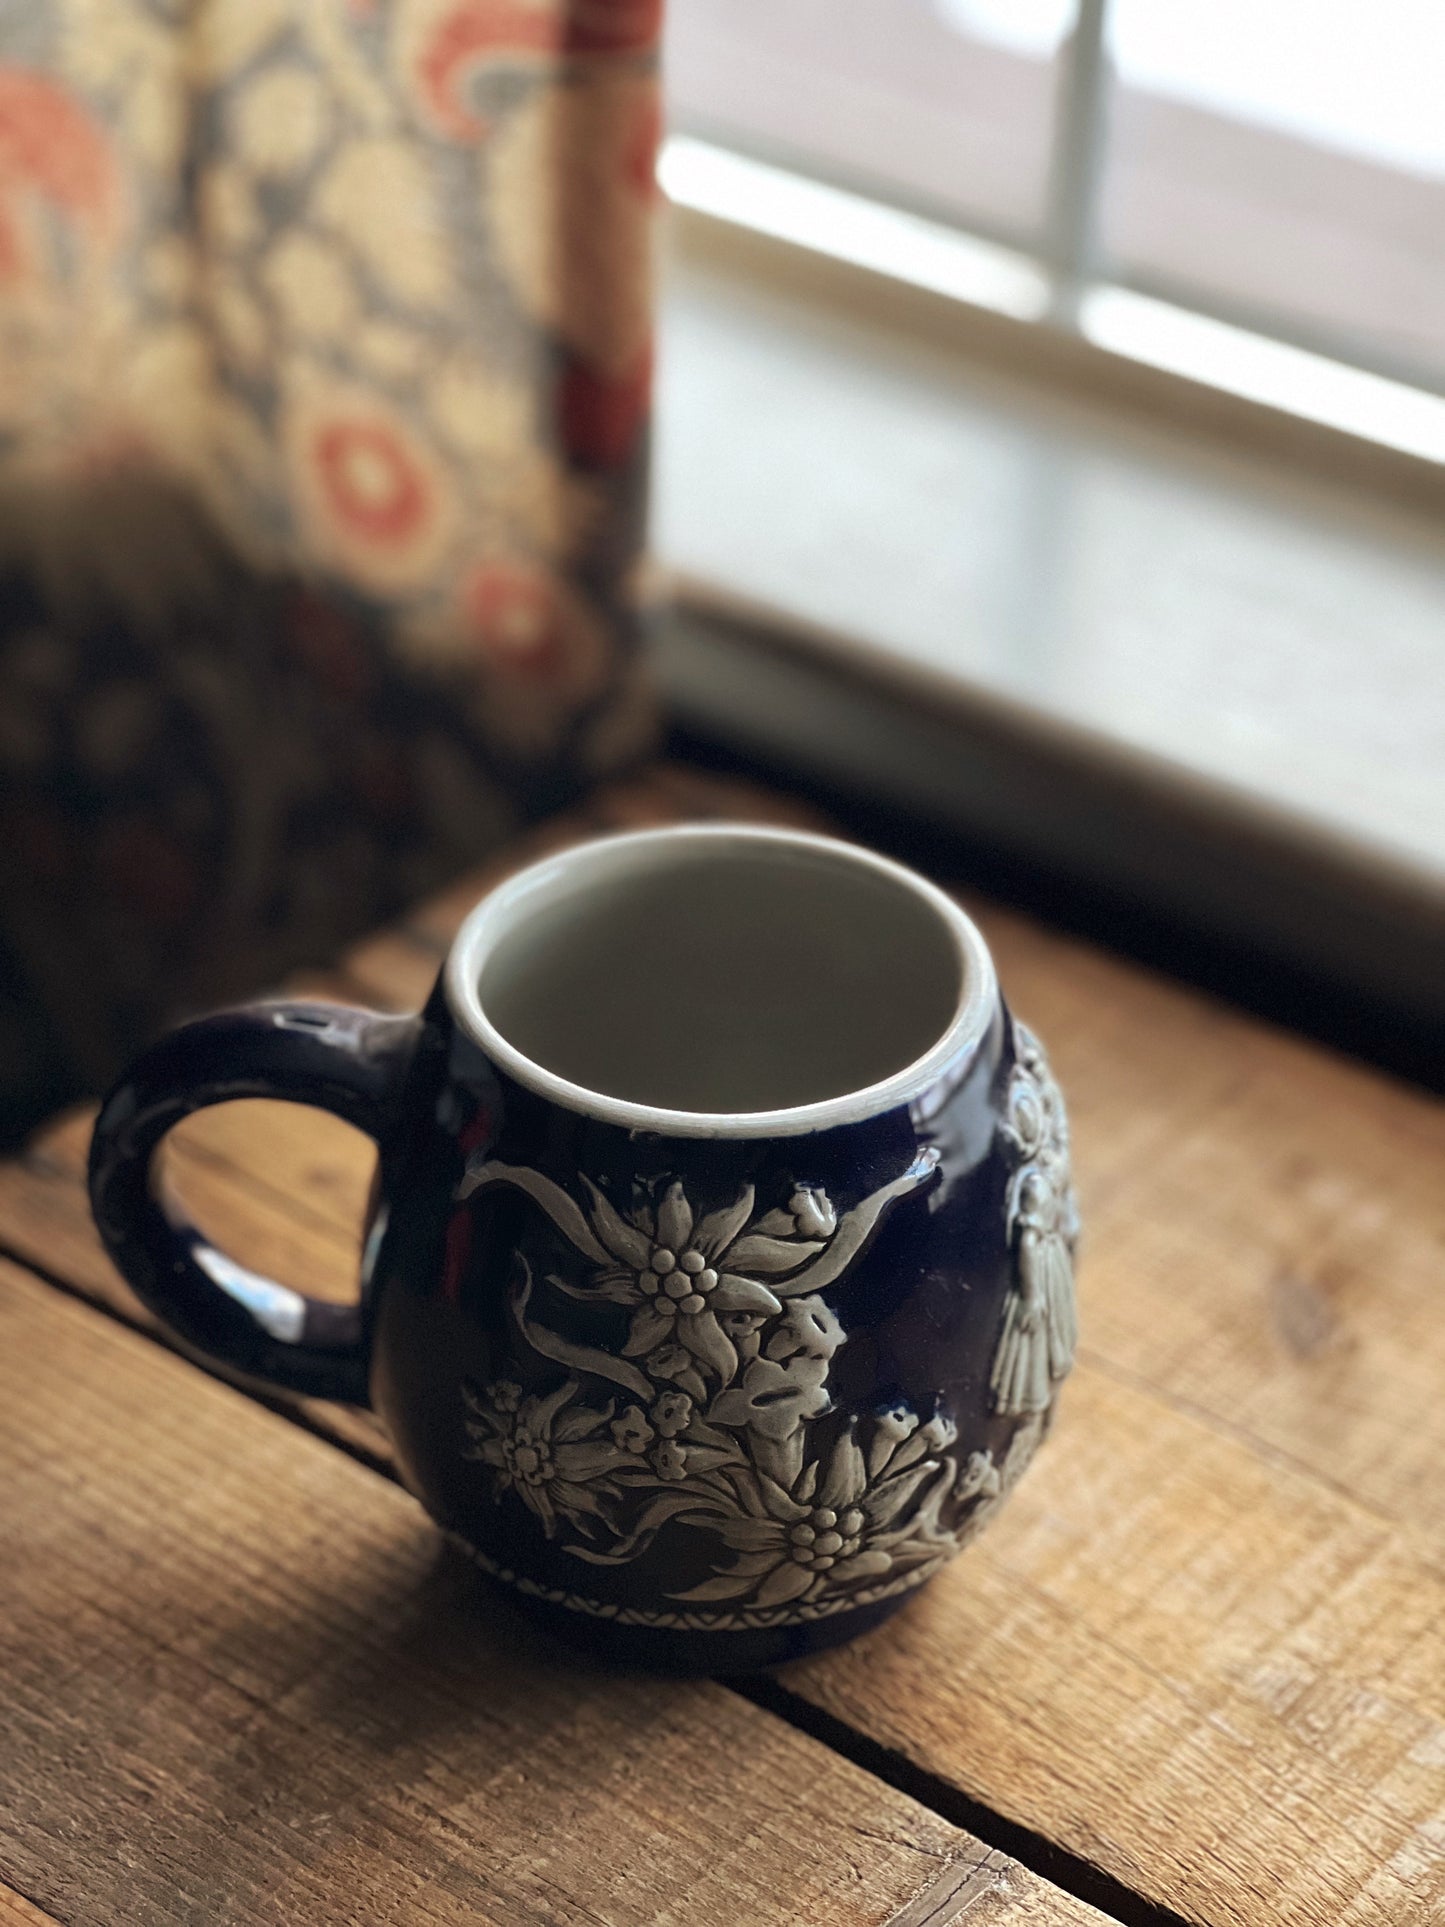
(843, 1521)
(700, 1287)
(682, 1278)
(557, 1457)
(724, 1369)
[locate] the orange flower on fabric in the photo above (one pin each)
(371, 495)
(370, 480)
(534, 630)
(53, 156)
(454, 42)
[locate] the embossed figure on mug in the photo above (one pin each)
(719, 1278)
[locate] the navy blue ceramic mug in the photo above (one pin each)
(718, 1278)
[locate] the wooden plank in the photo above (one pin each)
(244, 1683)
(1247, 1467)
(17, 1911)
(394, 969)
(223, 1162)
(319, 1166)
(45, 1221)
(1264, 1229)
(1265, 1221)
(1205, 1672)
(1205, 1647)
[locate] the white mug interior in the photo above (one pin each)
(721, 980)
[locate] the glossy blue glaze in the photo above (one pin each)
(769, 1463)
(920, 1305)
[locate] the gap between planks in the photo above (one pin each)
(317, 1704)
(958, 1890)
(924, 1688)
(1225, 1715)
(1004, 1838)
(17, 1911)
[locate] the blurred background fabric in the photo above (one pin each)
(325, 354)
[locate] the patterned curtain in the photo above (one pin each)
(324, 372)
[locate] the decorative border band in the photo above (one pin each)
(752, 1619)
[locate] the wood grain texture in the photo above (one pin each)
(1203, 1647)
(17, 1911)
(281, 1186)
(244, 1683)
(1265, 1221)
(1200, 1670)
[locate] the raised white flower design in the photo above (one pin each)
(793, 1544)
(672, 1413)
(808, 1328)
(809, 1214)
(555, 1455)
(838, 1524)
(728, 1351)
(680, 1274)
(632, 1431)
(676, 1272)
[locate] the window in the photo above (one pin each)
(1284, 160)
(906, 100)
(1074, 372)
(1274, 164)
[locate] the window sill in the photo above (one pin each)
(1192, 673)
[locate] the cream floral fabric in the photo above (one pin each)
(325, 352)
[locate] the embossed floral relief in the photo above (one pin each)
(707, 1417)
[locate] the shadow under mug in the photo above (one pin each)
(717, 1282)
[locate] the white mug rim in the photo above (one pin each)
(504, 907)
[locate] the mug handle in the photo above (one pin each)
(350, 1062)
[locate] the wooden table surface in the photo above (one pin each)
(1195, 1671)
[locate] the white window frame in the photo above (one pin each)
(774, 258)
(1055, 306)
